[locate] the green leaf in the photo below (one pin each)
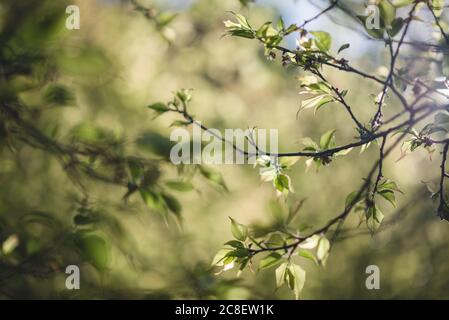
(155, 143)
(309, 144)
(282, 183)
(344, 47)
(374, 218)
(310, 242)
(387, 12)
(343, 152)
(312, 102)
(235, 244)
(281, 24)
(271, 260)
(241, 33)
(388, 185)
(159, 107)
(59, 95)
(181, 186)
(323, 40)
(172, 203)
(95, 251)
(323, 250)
(242, 20)
(287, 162)
(136, 169)
(241, 28)
(152, 199)
(291, 28)
(185, 95)
(389, 196)
(164, 19)
(239, 231)
(327, 140)
(396, 26)
(266, 30)
(275, 240)
(180, 123)
(280, 274)
(295, 278)
(307, 254)
(437, 7)
(365, 147)
(238, 253)
(323, 102)
(375, 33)
(218, 259)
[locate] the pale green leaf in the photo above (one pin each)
(239, 231)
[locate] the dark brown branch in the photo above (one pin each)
(325, 153)
(330, 7)
(443, 208)
(341, 99)
(377, 120)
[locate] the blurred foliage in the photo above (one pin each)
(86, 179)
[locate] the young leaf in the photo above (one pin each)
(95, 250)
(308, 255)
(281, 24)
(344, 47)
(389, 196)
(287, 162)
(136, 170)
(282, 183)
(310, 242)
(323, 250)
(327, 140)
(296, 278)
(312, 102)
(437, 6)
(396, 26)
(388, 185)
(218, 260)
(181, 186)
(271, 260)
(280, 274)
(323, 40)
(235, 244)
(159, 107)
(172, 204)
(374, 218)
(387, 12)
(239, 231)
(153, 199)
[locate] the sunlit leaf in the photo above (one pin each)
(271, 260)
(239, 231)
